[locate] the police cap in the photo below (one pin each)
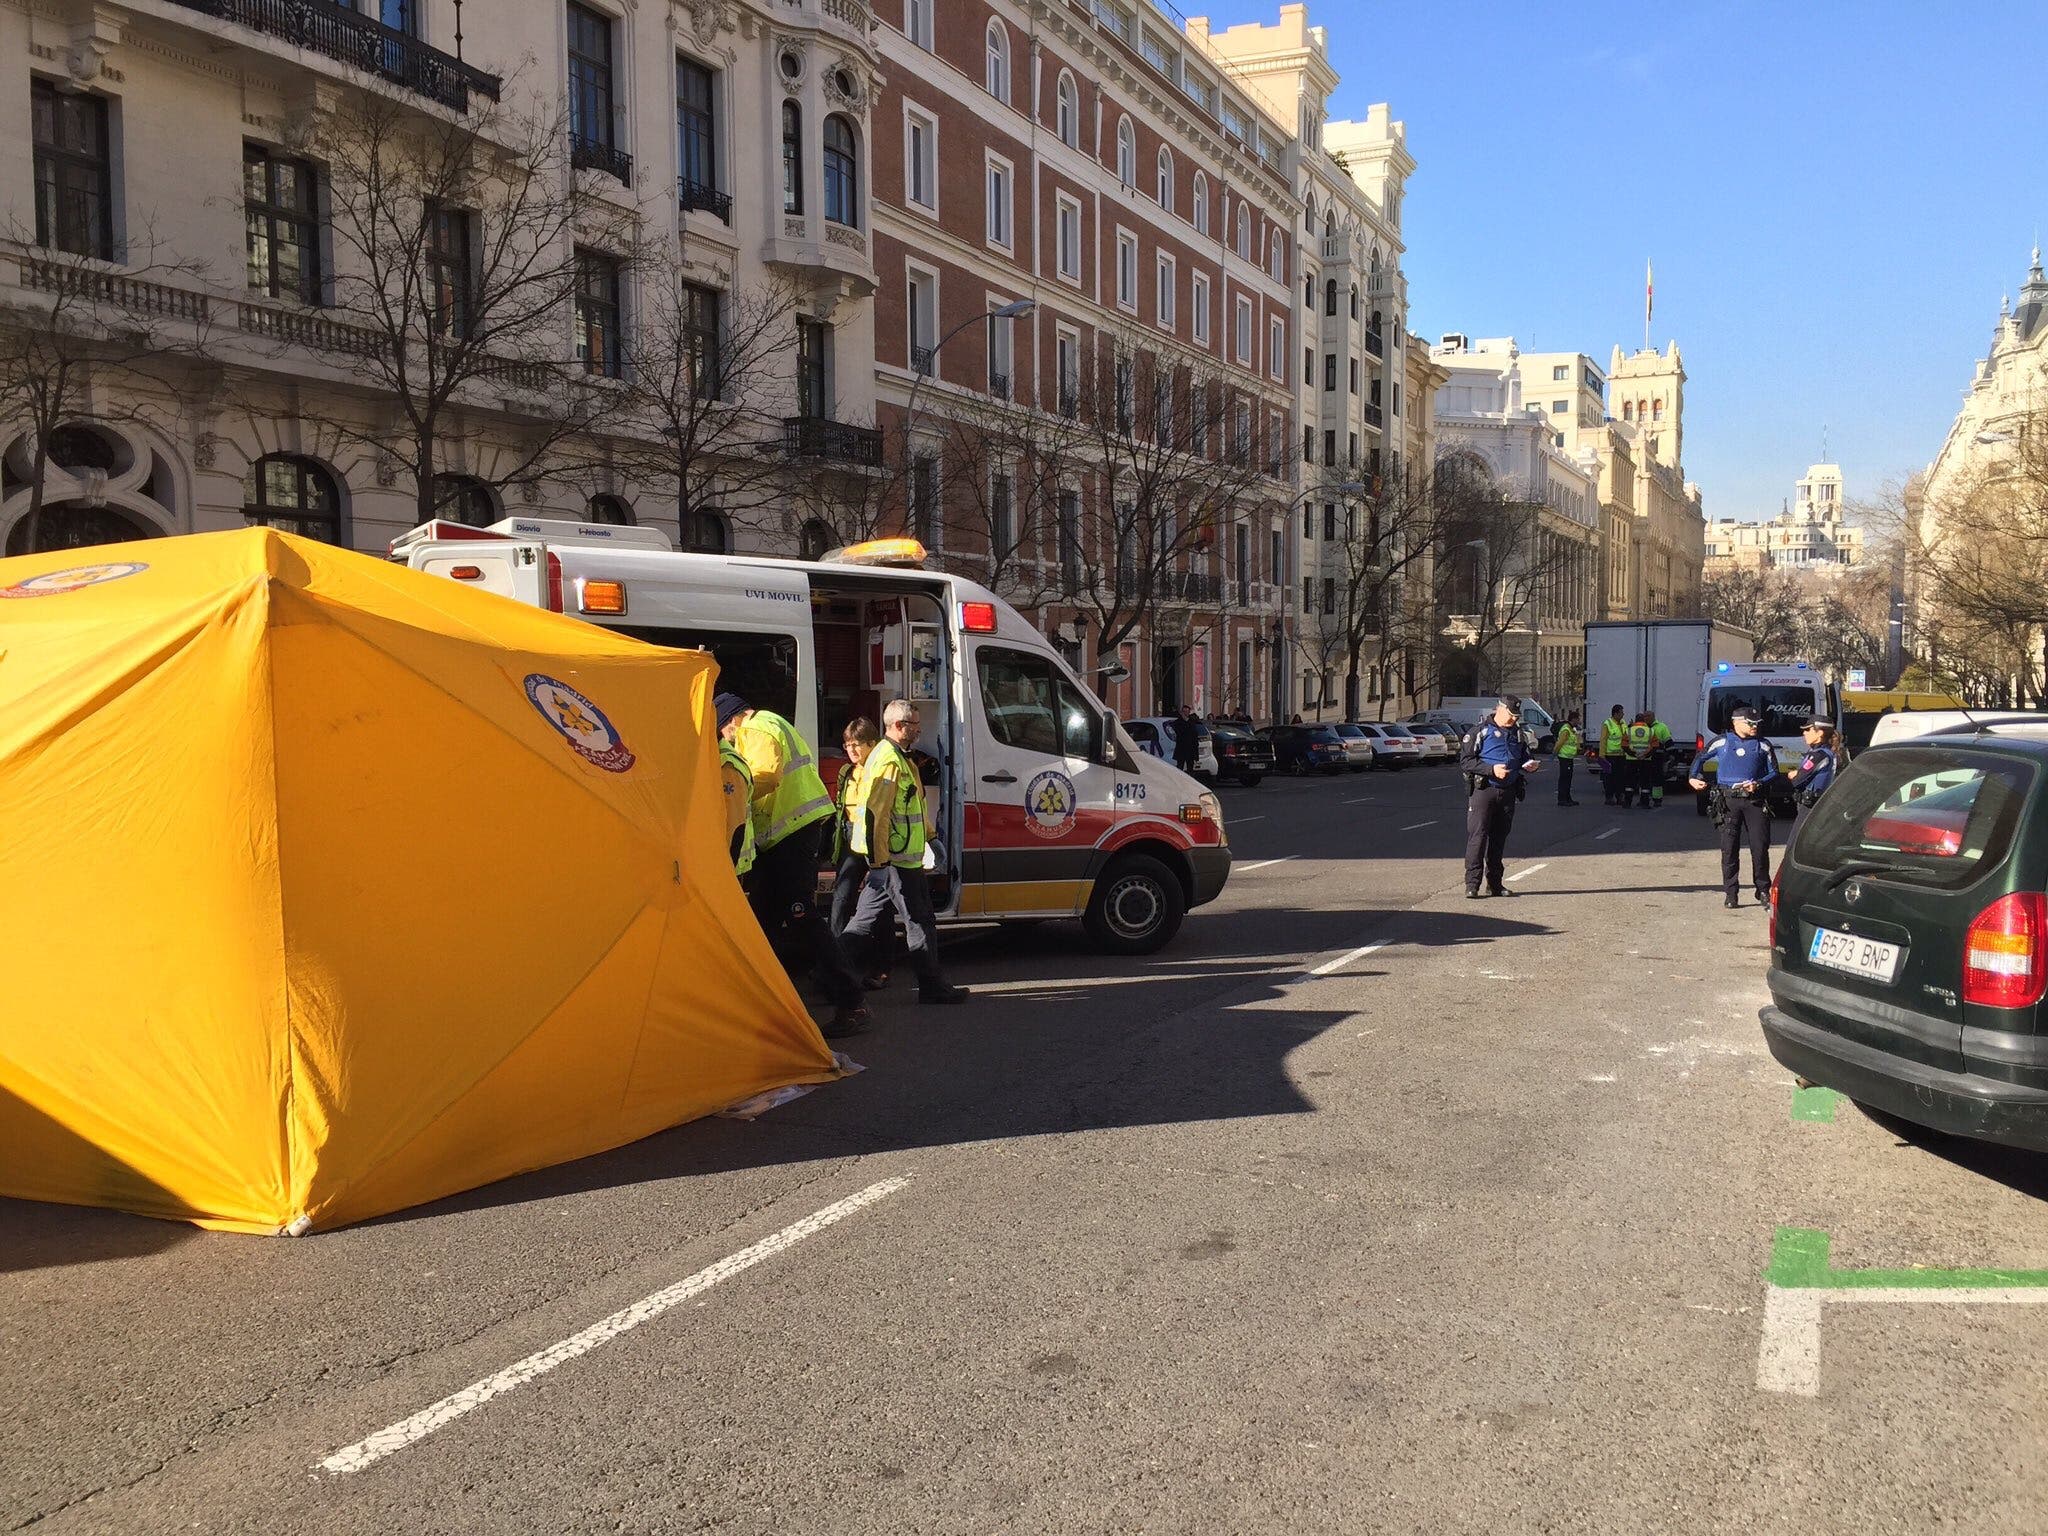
(1744, 712)
(1512, 704)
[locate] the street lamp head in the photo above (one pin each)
(1475, 544)
(1996, 437)
(1014, 309)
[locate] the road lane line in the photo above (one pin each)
(1602, 836)
(1788, 1356)
(1341, 961)
(1238, 821)
(1362, 800)
(1245, 869)
(1518, 874)
(1419, 826)
(408, 1431)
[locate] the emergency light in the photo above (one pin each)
(600, 596)
(978, 618)
(879, 552)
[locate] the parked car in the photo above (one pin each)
(1358, 750)
(1434, 748)
(1392, 751)
(1306, 748)
(1909, 935)
(1241, 755)
(1154, 734)
(1449, 734)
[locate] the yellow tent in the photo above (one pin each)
(328, 887)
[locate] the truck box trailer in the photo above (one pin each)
(1658, 665)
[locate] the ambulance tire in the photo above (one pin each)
(1136, 907)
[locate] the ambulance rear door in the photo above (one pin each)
(511, 568)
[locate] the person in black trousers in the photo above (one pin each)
(1496, 766)
(1187, 740)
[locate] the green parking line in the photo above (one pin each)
(1799, 1261)
(1815, 1103)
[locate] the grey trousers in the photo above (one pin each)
(909, 891)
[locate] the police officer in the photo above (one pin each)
(890, 828)
(1642, 741)
(1495, 764)
(1567, 758)
(1816, 770)
(1745, 766)
(1660, 753)
(792, 816)
(1613, 756)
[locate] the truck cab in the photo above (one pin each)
(1046, 808)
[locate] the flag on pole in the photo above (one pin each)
(1649, 293)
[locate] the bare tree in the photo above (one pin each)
(80, 343)
(1766, 603)
(1389, 539)
(1493, 566)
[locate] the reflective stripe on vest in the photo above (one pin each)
(906, 814)
(730, 761)
(1639, 741)
(799, 797)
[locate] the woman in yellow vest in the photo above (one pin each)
(848, 795)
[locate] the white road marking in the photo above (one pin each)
(1788, 1352)
(1603, 836)
(1341, 961)
(1238, 821)
(1245, 869)
(407, 1431)
(1362, 800)
(1419, 826)
(1518, 874)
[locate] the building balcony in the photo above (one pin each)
(349, 37)
(814, 437)
(1374, 416)
(591, 155)
(811, 247)
(851, 19)
(1375, 344)
(694, 196)
(921, 361)
(999, 386)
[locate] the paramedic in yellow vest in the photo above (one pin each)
(891, 829)
(1614, 756)
(1567, 758)
(850, 868)
(1660, 754)
(1640, 744)
(739, 807)
(792, 816)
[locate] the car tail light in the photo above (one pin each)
(2002, 960)
(1699, 744)
(1775, 878)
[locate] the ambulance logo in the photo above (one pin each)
(582, 724)
(1050, 803)
(51, 583)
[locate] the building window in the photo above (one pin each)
(1069, 534)
(999, 204)
(1124, 401)
(1163, 279)
(293, 495)
(281, 215)
(590, 77)
(1559, 407)
(1126, 153)
(813, 369)
(1330, 296)
(464, 499)
(996, 75)
(924, 499)
(1277, 263)
(73, 170)
(1560, 373)
(1067, 355)
(450, 275)
(1329, 595)
(1354, 375)
(1244, 231)
(1329, 371)
(842, 174)
(917, 22)
(706, 532)
(1329, 446)
(921, 159)
(792, 158)
(1001, 355)
(1244, 331)
(1067, 111)
(922, 312)
(1198, 418)
(1163, 180)
(1201, 203)
(1276, 348)
(696, 130)
(597, 313)
(1354, 301)
(1069, 228)
(816, 539)
(1126, 270)
(1329, 520)
(1198, 300)
(1002, 514)
(703, 340)
(608, 510)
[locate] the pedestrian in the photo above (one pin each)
(738, 781)
(1660, 755)
(1640, 742)
(1295, 721)
(1613, 756)
(1567, 757)
(1745, 766)
(1187, 740)
(891, 830)
(1816, 770)
(791, 818)
(858, 740)
(1496, 768)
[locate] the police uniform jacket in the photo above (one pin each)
(1495, 744)
(1816, 772)
(1738, 761)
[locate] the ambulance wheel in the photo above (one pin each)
(1136, 908)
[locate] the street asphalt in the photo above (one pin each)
(1361, 1207)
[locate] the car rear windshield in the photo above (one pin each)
(1785, 710)
(1932, 817)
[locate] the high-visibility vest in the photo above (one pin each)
(1612, 734)
(1662, 733)
(1639, 739)
(1567, 741)
(739, 804)
(888, 764)
(769, 742)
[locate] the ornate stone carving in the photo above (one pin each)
(843, 84)
(386, 474)
(203, 453)
(708, 18)
(529, 493)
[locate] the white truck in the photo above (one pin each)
(1660, 665)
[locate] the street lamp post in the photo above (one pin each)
(1482, 595)
(1013, 310)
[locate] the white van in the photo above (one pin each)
(1539, 728)
(1045, 807)
(1785, 694)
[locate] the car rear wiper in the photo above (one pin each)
(1864, 867)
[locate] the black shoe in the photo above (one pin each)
(1730, 902)
(1763, 898)
(1571, 802)
(1474, 895)
(1501, 890)
(943, 994)
(846, 1021)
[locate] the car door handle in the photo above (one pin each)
(999, 778)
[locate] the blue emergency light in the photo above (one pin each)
(1723, 667)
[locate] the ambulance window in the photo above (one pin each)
(1031, 707)
(759, 668)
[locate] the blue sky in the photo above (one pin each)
(1834, 195)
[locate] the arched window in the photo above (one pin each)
(1201, 203)
(1656, 410)
(706, 532)
(1309, 212)
(1330, 297)
(1067, 110)
(609, 509)
(75, 446)
(842, 173)
(815, 539)
(1163, 187)
(1330, 226)
(1126, 152)
(1354, 301)
(1308, 290)
(1244, 231)
(1628, 410)
(293, 495)
(74, 525)
(998, 65)
(1277, 262)
(792, 158)
(464, 499)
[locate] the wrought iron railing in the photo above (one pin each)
(921, 360)
(814, 437)
(591, 155)
(1374, 416)
(1375, 344)
(349, 37)
(696, 195)
(999, 385)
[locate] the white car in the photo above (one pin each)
(1435, 748)
(1154, 734)
(1392, 745)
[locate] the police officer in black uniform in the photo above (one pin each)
(1745, 766)
(1495, 764)
(1816, 770)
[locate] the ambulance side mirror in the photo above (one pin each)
(1110, 752)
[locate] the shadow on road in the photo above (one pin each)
(38, 1236)
(2022, 1171)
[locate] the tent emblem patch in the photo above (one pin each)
(1050, 803)
(51, 583)
(582, 724)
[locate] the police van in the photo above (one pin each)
(1045, 806)
(1785, 695)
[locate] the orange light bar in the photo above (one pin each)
(881, 552)
(467, 572)
(978, 618)
(601, 596)
(1193, 813)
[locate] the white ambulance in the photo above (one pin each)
(1045, 806)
